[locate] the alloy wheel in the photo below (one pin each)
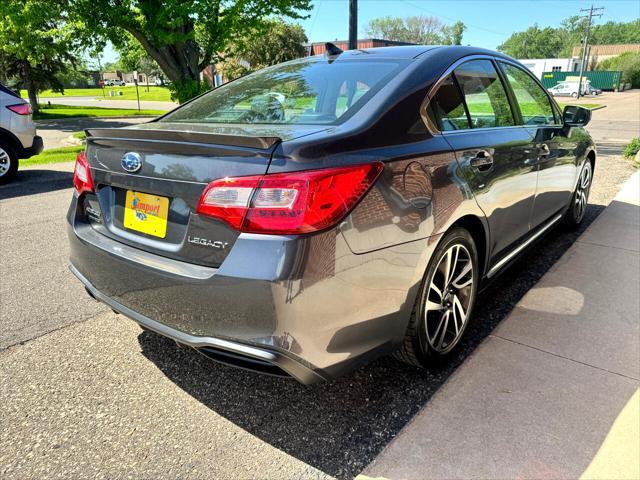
(582, 193)
(448, 298)
(5, 162)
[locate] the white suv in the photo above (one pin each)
(18, 137)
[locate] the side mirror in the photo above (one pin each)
(576, 116)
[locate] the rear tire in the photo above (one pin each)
(445, 302)
(575, 213)
(8, 163)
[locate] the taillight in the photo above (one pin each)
(82, 174)
(20, 108)
(288, 203)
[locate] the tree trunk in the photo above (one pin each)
(33, 97)
(32, 89)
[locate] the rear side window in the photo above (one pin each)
(533, 102)
(484, 95)
(447, 107)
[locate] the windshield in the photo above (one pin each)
(309, 91)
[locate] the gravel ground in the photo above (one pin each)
(73, 409)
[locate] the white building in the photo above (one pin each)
(540, 65)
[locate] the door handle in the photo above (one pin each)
(482, 160)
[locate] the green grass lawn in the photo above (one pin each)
(55, 155)
(67, 111)
(158, 94)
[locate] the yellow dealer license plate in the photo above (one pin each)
(146, 213)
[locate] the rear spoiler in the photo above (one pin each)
(176, 136)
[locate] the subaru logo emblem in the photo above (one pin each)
(131, 162)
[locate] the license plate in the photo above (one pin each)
(146, 213)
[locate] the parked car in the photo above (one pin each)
(594, 91)
(358, 217)
(115, 83)
(18, 137)
(570, 89)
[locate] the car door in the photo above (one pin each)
(473, 112)
(555, 153)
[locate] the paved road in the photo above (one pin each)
(616, 124)
(108, 103)
(55, 132)
(87, 393)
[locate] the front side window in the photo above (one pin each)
(484, 95)
(534, 103)
(308, 91)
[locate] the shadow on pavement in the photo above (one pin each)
(33, 181)
(340, 427)
(610, 148)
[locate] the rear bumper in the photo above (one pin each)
(239, 354)
(307, 306)
(34, 149)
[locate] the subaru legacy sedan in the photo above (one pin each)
(309, 217)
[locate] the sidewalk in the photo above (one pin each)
(553, 393)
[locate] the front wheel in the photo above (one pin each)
(575, 213)
(445, 302)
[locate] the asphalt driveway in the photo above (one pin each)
(54, 133)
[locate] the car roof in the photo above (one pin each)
(419, 52)
(403, 51)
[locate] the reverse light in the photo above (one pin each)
(288, 203)
(21, 108)
(82, 180)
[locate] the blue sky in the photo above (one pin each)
(488, 23)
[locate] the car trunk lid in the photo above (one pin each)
(153, 207)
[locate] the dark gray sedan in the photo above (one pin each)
(312, 216)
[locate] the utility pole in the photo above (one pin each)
(353, 24)
(593, 12)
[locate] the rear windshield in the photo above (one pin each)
(309, 91)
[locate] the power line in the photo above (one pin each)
(469, 25)
(593, 12)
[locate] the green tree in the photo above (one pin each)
(418, 29)
(628, 63)
(37, 43)
(453, 33)
(534, 42)
(259, 48)
(182, 36)
(616, 32)
(559, 42)
(135, 58)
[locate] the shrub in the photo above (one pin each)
(629, 63)
(184, 90)
(633, 148)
